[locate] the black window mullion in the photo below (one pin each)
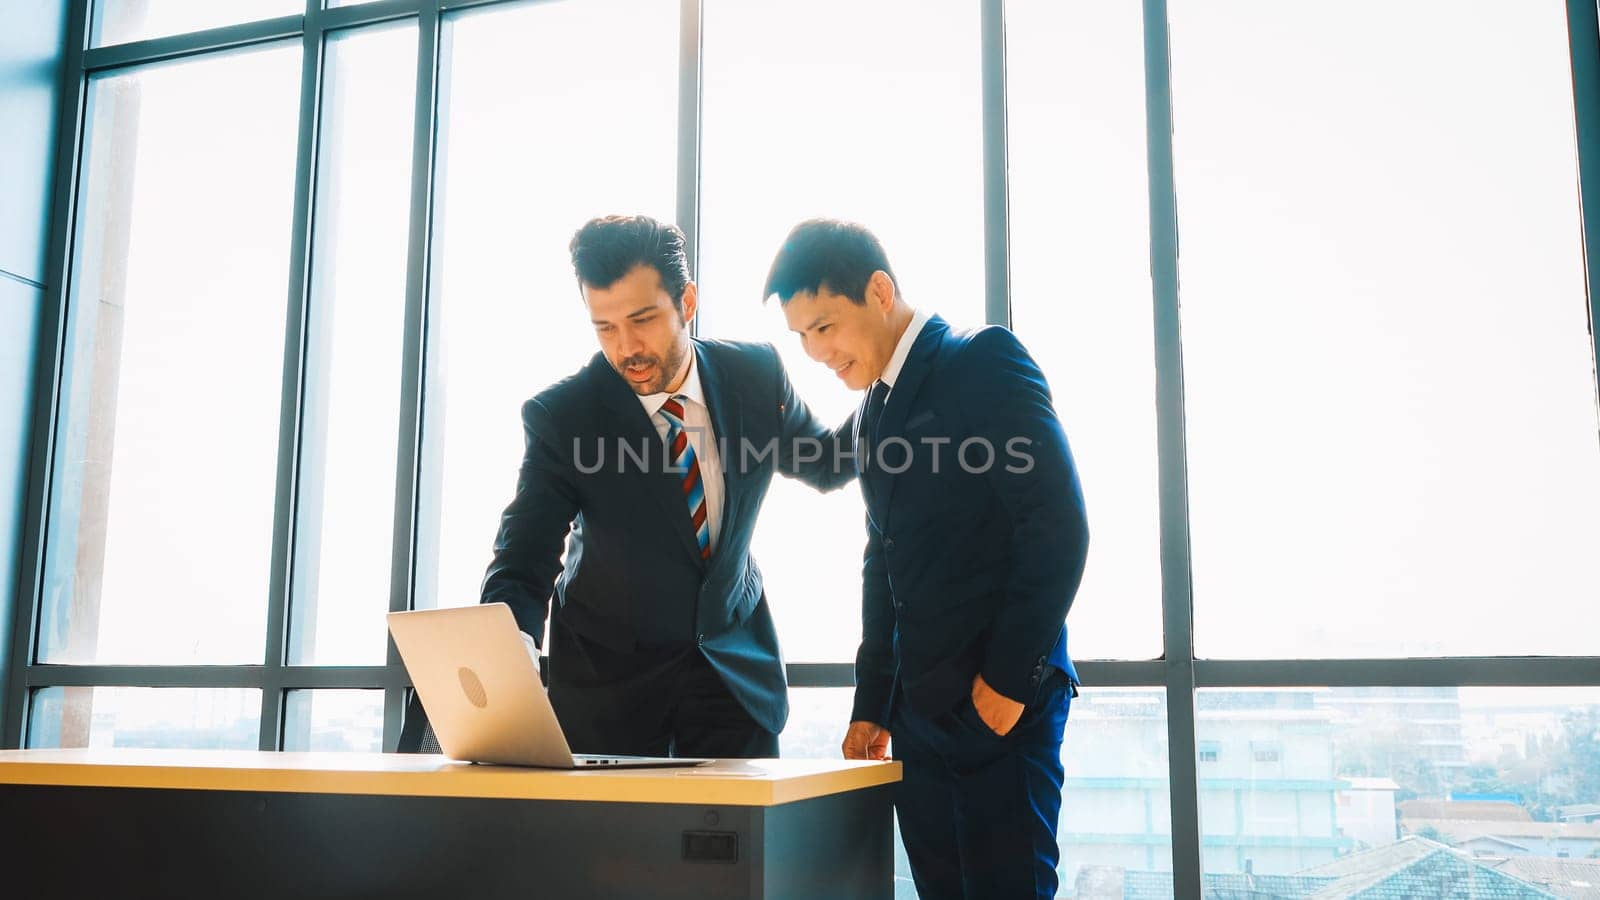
(24, 625)
(1583, 33)
(290, 425)
(996, 202)
(1172, 454)
(408, 469)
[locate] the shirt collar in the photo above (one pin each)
(897, 360)
(690, 388)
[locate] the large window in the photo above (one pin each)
(780, 148)
(1391, 400)
(226, 719)
(1306, 777)
(1080, 296)
(166, 464)
(1340, 456)
(121, 21)
(1116, 810)
(357, 313)
(551, 115)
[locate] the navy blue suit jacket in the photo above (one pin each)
(973, 556)
(633, 576)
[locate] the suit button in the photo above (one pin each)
(701, 640)
(888, 543)
(899, 604)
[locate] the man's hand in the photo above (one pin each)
(866, 740)
(997, 711)
(533, 649)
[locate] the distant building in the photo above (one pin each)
(1112, 883)
(1115, 807)
(1571, 879)
(1267, 784)
(1417, 868)
(1562, 840)
(1477, 811)
(1386, 731)
(1267, 788)
(1513, 726)
(1365, 812)
(1580, 812)
(1411, 869)
(1290, 780)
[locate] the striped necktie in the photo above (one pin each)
(681, 454)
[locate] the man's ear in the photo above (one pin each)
(691, 302)
(880, 291)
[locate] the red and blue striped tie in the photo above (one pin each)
(681, 454)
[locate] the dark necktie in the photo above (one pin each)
(870, 418)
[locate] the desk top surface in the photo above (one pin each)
(734, 782)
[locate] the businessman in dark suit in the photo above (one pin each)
(656, 456)
(976, 540)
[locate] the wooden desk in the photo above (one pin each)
(136, 823)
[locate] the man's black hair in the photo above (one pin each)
(827, 253)
(607, 248)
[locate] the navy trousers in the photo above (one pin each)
(663, 701)
(978, 811)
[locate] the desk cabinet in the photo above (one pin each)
(182, 824)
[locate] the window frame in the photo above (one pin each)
(1177, 671)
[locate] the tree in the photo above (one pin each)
(1580, 769)
(1431, 833)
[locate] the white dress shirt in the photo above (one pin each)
(897, 359)
(697, 422)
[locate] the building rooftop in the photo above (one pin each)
(1410, 869)
(1466, 829)
(1415, 867)
(1389, 856)
(1114, 883)
(1476, 810)
(1372, 784)
(1573, 879)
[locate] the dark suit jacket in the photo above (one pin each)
(633, 577)
(970, 565)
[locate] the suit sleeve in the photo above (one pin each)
(1036, 485)
(875, 667)
(533, 529)
(807, 449)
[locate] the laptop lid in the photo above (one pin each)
(479, 685)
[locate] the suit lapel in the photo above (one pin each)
(919, 362)
(727, 420)
(634, 428)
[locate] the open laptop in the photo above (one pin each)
(482, 692)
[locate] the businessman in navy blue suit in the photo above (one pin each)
(976, 540)
(656, 457)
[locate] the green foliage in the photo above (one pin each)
(1432, 834)
(1551, 771)
(1582, 755)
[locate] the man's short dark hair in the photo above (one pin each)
(827, 253)
(607, 248)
